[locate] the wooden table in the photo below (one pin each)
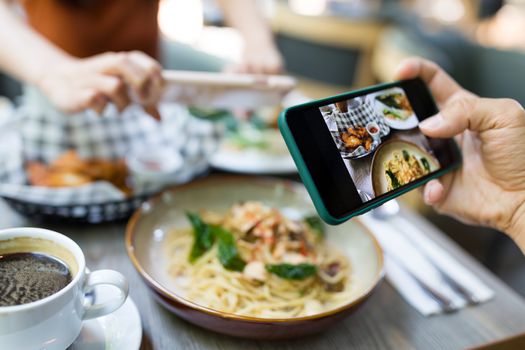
(384, 322)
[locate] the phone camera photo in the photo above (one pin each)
(378, 138)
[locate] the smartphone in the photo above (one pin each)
(357, 150)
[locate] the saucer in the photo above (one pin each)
(120, 330)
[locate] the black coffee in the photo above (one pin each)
(28, 277)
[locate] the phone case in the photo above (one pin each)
(307, 178)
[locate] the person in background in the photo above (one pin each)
(86, 53)
(489, 188)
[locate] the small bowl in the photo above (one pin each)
(147, 230)
(373, 129)
(153, 164)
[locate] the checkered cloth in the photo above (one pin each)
(357, 116)
(43, 134)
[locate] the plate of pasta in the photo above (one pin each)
(248, 257)
(399, 162)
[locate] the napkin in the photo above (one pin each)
(411, 254)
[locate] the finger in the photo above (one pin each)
(106, 88)
(149, 64)
(150, 88)
(154, 91)
(99, 104)
(132, 73)
(115, 90)
(433, 192)
(153, 111)
(475, 114)
(440, 83)
(130, 68)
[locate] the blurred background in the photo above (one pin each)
(332, 46)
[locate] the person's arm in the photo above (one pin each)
(75, 84)
(260, 52)
(25, 54)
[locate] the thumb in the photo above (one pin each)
(475, 114)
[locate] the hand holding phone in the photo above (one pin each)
(489, 189)
(357, 150)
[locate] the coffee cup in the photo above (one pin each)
(45, 310)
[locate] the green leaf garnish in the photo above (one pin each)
(209, 113)
(292, 272)
(393, 113)
(393, 179)
(406, 156)
(203, 237)
(244, 142)
(316, 224)
(425, 163)
(228, 253)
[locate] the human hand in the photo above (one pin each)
(77, 84)
(259, 59)
(489, 189)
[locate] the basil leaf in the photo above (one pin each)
(202, 237)
(425, 163)
(209, 113)
(393, 113)
(292, 272)
(406, 156)
(316, 224)
(389, 100)
(227, 251)
(393, 179)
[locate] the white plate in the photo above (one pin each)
(409, 123)
(271, 159)
(253, 162)
(120, 330)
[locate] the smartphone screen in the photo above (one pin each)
(365, 146)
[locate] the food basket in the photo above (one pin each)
(360, 113)
(88, 213)
(37, 134)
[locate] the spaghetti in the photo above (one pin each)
(253, 261)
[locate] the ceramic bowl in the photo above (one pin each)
(148, 228)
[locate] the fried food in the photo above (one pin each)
(351, 141)
(355, 137)
(69, 161)
(41, 175)
(70, 170)
(66, 179)
(368, 144)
